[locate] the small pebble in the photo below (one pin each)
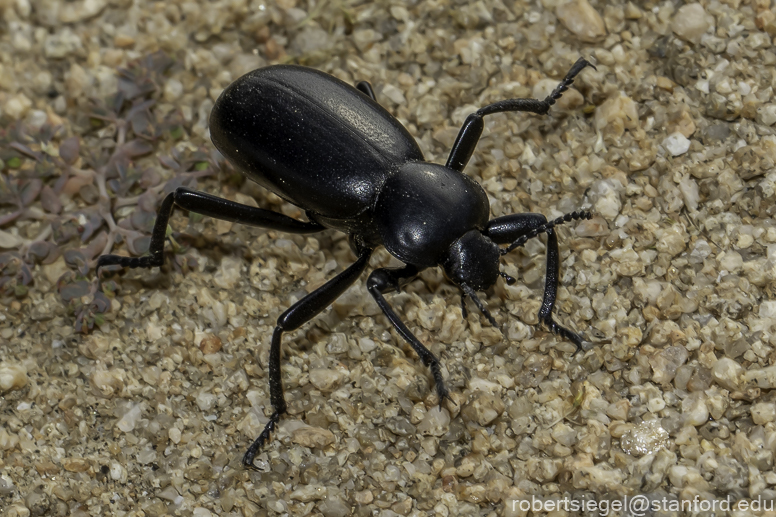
(581, 19)
(694, 410)
(644, 438)
(13, 376)
(763, 412)
(677, 144)
(767, 114)
(312, 437)
(727, 373)
(435, 422)
(325, 379)
(484, 409)
(690, 22)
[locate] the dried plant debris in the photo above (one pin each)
(81, 196)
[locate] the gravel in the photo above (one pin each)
(670, 141)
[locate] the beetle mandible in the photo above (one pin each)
(337, 154)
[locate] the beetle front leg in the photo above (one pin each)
(297, 315)
(516, 229)
(205, 204)
(470, 133)
(383, 281)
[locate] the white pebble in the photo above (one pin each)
(579, 17)
(676, 144)
(435, 422)
(690, 22)
(13, 376)
(694, 410)
(761, 377)
(727, 373)
(767, 309)
(394, 94)
(766, 114)
(325, 379)
(128, 422)
(206, 400)
(763, 412)
(645, 438)
(173, 89)
(17, 106)
(118, 472)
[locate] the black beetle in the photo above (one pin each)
(333, 151)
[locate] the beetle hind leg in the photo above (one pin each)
(297, 315)
(212, 206)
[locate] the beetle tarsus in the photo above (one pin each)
(148, 261)
(259, 442)
(565, 333)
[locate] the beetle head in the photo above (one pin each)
(473, 261)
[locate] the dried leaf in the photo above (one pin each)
(91, 226)
(29, 191)
(96, 246)
(142, 220)
(73, 291)
(150, 178)
(136, 148)
(9, 240)
(38, 251)
(101, 303)
(147, 201)
(50, 200)
(169, 162)
(7, 218)
(69, 150)
(89, 193)
(18, 146)
(139, 245)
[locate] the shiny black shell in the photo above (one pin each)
(326, 147)
(310, 138)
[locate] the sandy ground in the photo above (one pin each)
(669, 142)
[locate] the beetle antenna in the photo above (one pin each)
(573, 216)
(510, 279)
(481, 306)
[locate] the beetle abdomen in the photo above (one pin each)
(310, 138)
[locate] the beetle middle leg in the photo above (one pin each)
(297, 315)
(470, 133)
(205, 204)
(383, 281)
(515, 229)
